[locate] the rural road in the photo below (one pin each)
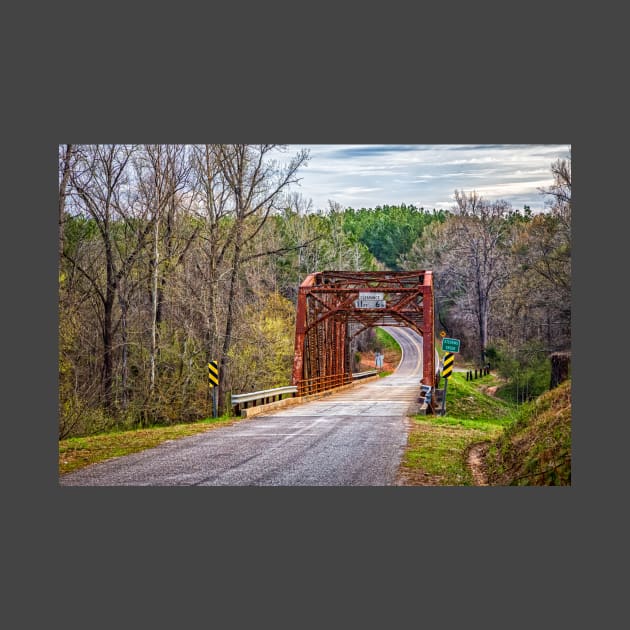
(351, 438)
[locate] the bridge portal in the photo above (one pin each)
(335, 306)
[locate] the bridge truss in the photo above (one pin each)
(330, 315)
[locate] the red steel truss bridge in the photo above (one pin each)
(335, 306)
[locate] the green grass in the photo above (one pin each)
(536, 448)
(386, 341)
(466, 400)
(78, 452)
(390, 348)
(436, 449)
(438, 445)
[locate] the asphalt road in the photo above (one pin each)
(350, 438)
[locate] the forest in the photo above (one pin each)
(171, 256)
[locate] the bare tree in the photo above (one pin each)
(66, 153)
(164, 179)
(543, 251)
(256, 184)
(469, 254)
(106, 191)
(212, 203)
(560, 190)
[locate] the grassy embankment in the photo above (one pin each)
(530, 444)
(78, 452)
(437, 445)
(536, 449)
(391, 351)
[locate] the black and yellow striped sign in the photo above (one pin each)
(449, 359)
(213, 373)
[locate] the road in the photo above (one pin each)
(351, 438)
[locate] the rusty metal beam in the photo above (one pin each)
(300, 329)
(428, 333)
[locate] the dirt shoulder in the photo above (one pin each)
(475, 459)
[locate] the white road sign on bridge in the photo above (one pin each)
(370, 300)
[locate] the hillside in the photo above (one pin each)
(438, 446)
(535, 450)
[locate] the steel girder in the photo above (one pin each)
(328, 318)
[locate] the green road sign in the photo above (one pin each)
(450, 345)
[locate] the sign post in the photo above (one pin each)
(450, 346)
(213, 381)
(447, 370)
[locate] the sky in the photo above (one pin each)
(368, 175)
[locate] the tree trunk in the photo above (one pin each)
(559, 368)
(108, 359)
(483, 327)
(154, 307)
(63, 187)
(227, 340)
(124, 306)
(168, 256)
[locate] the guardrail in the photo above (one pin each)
(264, 396)
(358, 375)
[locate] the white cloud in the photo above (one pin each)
(363, 175)
(512, 189)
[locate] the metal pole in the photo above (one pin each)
(214, 402)
(444, 397)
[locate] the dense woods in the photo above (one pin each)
(174, 255)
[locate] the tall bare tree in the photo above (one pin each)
(164, 180)
(66, 153)
(543, 251)
(256, 183)
(212, 204)
(469, 255)
(106, 190)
